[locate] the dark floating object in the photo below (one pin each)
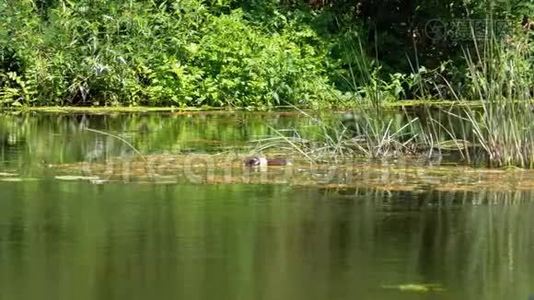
(260, 161)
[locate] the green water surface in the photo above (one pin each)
(127, 240)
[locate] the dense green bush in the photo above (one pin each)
(233, 52)
(169, 53)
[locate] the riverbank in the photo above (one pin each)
(155, 109)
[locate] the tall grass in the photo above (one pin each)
(500, 82)
(500, 73)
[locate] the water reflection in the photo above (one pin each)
(28, 140)
(76, 240)
(72, 240)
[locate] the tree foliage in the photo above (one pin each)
(225, 52)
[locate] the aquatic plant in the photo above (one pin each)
(498, 123)
(500, 75)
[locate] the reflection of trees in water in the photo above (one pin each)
(477, 244)
(242, 240)
(284, 243)
(12, 142)
(153, 131)
(59, 138)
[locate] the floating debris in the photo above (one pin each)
(78, 178)
(4, 174)
(11, 179)
(231, 169)
(98, 181)
(416, 287)
(18, 179)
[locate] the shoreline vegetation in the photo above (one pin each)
(366, 58)
(201, 109)
(259, 54)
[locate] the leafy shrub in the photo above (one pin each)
(168, 53)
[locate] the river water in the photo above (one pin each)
(152, 240)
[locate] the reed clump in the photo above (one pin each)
(490, 121)
(500, 74)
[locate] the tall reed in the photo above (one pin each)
(500, 73)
